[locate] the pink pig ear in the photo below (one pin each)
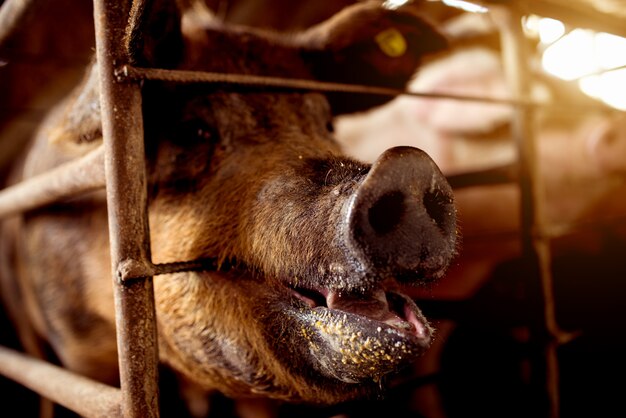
(371, 45)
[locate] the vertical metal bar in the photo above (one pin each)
(535, 244)
(127, 207)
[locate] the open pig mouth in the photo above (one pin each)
(359, 336)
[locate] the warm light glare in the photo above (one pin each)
(546, 29)
(550, 30)
(394, 4)
(531, 24)
(609, 87)
(572, 56)
(611, 50)
(466, 6)
(591, 86)
(594, 59)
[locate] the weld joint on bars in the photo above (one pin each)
(132, 269)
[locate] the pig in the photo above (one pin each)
(313, 248)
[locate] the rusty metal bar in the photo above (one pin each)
(127, 208)
(128, 73)
(132, 269)
(535, 245)
(78, 176)
(78, 393)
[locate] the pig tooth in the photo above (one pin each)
(399, 323)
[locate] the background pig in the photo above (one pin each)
(313, 247)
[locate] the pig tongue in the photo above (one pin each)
(373, 305)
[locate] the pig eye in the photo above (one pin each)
(204, 134)
(197, 132)
(330, 127)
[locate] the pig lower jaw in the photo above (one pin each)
(358, 341)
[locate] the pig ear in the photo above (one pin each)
(154, 35)
(371, 45)
(78, 121)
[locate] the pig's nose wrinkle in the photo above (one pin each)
(387, 212)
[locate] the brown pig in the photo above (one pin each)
(313, 247)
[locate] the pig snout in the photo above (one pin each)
(401, 220)
(397, 225)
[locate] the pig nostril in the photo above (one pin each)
(387, 212)
(436, 205)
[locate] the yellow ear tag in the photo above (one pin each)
(391, 42)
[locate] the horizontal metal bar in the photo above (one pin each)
(131, 269)
(78, 176)
(128, 73)
(491, 176)
(78, 393)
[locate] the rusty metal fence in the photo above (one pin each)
(119, 167)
